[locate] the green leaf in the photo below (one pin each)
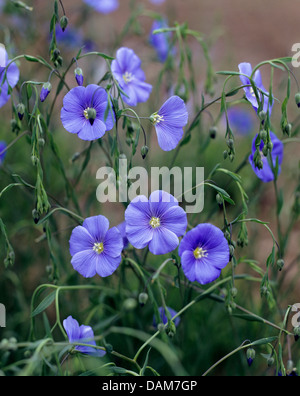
(251, 318)
(142, 372)
(264, 341)
(44, 304)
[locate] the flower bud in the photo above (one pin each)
(129, 304)
(36, 216)
(280, 264)
(296, 333)
(225, 154)
(263, 135)
(143, 298)
(297, 99)
(262, 115)
(171, 329)
(63, 22)
(144, 151)
(45, 91)
(234, 292)
(250, 356)
(21, 111)
(213, 132)
(219, 199)
(91, 115)
(288, 129)
(230, 143)
(79, 76)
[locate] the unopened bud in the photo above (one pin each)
(225, 154)
(143, 298)
(63, 22)
(79, 76)
(280, 264)
(171, 329)
(144, 151)
(297, 99)
(213, 132)
(262, 115)
(45, 91)
(129, 304)
(21, 111)
(250, 356)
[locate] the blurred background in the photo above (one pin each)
(234, 32)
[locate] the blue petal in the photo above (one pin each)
(80, 240)
(97, 226)
(107, 265)
(163, 241)
(85, 263)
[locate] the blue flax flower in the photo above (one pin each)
(169, 121)
(266, 173)
(2, 156)
(103, 6)
(82, 334)
(157, 222)
(95, 249)
(164, 318)
(83, 112)
(246, 69)
(12, 76)
(204, 252)
(161, 41)
(127, 70)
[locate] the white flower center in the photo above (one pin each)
(127, 77)
(98, 247)
(154, 222)
(199, 253)
(156, 119)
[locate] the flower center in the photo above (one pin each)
(154, 222)
(98, 247)
(127, 77)
(199, 253)
(156, 119)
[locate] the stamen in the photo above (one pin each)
(98, 247)
(199, 253)
(154, 222)
(127, 77)
(85, 113)
(156, 119)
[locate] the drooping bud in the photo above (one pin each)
(225, 154)
(297, 99)
(129, 304)
(79, 76)
(213, 132)
(21, 111)
(45, 91)
(144, 151)
(288, 129)
(296, 333)
(143, 298)
(262, 115)
(219, 199)
(280, 264)
(171, 329)
(91, 115)
(63, 22)
(250, 356)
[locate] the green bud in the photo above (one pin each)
(262, 115)
(213, 132)
(144, 151)
(36, 216)
(20, 110)
(230, 143)
(143, 298)
(234, 292)
(297, 333)
(171, 329)
(297, 99)
(219, 199)
(129, 304)
(225, 154)
(263, 135)
(270, 146)
(231, 250)
(280, 264)
(270, 361)
(63, 22)
(289, 366)
(160, 327)
(288, 129)
(250, 356)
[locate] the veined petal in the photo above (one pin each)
(92, 132)
(107, 265)
(175, 220)
(97, 226)
(168, 137)
(72, 329)
(85, 263)
(113, 242)
(80, 240)
(163, 241)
